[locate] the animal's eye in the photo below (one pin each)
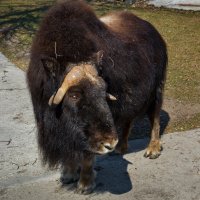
(75, 96)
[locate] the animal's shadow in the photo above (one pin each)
(112, 170)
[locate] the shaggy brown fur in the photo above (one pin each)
(133, 67)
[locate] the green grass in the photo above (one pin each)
(181, 31)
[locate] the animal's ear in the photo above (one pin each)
(98, 57)
(50, 65)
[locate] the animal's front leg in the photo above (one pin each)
(86, 183)
(70, 172)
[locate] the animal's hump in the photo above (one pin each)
(70, 25)
(72, 9)
(119, 19)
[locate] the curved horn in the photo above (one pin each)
(72, 78)
(111, 97)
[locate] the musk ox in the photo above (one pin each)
(89, 78)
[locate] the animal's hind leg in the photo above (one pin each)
(122, 146)
(154, 148)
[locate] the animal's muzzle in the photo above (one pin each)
(109, 147)
(107, 143)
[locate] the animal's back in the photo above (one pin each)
(135, 31)
(140, 60)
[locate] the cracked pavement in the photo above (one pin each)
(175, 175)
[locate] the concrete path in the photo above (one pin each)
(178, 4)
(175, 175)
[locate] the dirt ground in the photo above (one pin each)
(179, 110)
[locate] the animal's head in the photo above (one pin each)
(83, 94)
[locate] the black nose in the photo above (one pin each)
(108, 147)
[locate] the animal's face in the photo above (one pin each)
(83, 94)
(88, 102)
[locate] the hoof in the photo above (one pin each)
(69, 178)
(154, 150)
(86, 186)
(85, 189)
